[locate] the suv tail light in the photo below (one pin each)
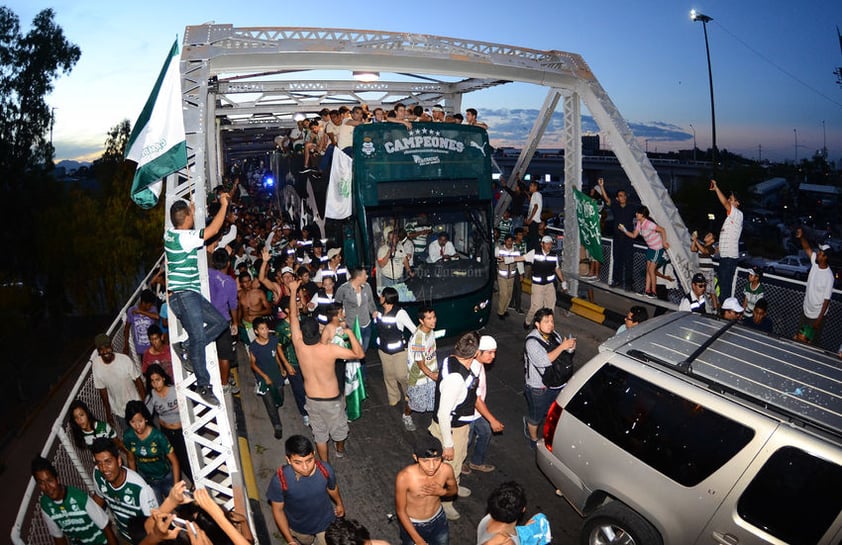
(550, 424)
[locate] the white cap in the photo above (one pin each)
(732, 304)
(547, 238)
(487, 342)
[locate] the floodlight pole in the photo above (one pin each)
(696, 16)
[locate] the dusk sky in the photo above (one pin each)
(773, 62)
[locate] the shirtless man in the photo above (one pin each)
(325, 403)
(252, 303)
(418, 491)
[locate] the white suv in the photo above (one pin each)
(688, 429)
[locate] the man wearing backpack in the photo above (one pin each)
(304, 495)
(544, 380)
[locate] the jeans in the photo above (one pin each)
(622, 256)
(727, 269)
(481, 429)
(434, 531)
(296, 382)
(538, 400)
(161, 487)
(203, 324)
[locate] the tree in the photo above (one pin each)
(29, 64)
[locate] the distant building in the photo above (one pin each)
(810, 195)
(769, 193)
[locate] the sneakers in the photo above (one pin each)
(340, 453)
(233, 383)
(279, 433)
(408, 424)
(183, 355)
(463, 492)
(306, 419)
(206, 393)
(466, 469)
(649, 294)
(449, 511)
(485, 468)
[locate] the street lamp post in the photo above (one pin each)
(795, 132)
(696, 16)
(694, 141)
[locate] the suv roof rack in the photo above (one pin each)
(799, 382)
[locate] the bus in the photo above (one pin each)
(432, 180)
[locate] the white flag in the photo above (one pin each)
(338, 199)
(157, 143)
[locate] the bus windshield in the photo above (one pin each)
(448, 251)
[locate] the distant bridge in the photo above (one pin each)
(673, 172)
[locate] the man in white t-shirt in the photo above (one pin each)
(533, 216)
(117, 380)
(819, 286)
(729, 240)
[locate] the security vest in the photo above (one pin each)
(507, 270)
(543, 268)
(322, 300)
(389, 336)
(698, 305)
(463, 413)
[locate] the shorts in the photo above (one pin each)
(327, 419)
(225, 346)
(654, 255)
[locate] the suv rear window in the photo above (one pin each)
(795, 496)
(677, 437)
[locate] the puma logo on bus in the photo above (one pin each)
(481, 148)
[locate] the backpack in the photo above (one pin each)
(283, 479)
(561, 369)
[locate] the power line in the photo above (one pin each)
(777, 66)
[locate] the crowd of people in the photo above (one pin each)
(307, 319)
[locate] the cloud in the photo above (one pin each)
(511, 127)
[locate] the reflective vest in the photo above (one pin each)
(698, 305)
(543, 268)
(507, 270)
(322, 300)
(463, 413)
(389, 336)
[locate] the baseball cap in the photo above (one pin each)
(755, 271)
(487, 342)
(699, 278)
(286, 270)
(102, 340)
(824, 247)
(731, 303)
(547, 238)
(333, 252)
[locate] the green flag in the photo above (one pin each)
(157, 143)
(587, 216)
(354, 386)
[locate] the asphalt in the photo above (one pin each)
(378, 446)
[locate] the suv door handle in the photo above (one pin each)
(725, 539)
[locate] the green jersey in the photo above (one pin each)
(131, 499)
(284, 331)
(181, 247)
(150, 453)
(76, 517)
(100, 429)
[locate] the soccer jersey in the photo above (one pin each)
(150, 453)
(76, 517)
(100, 429)
(181, 247)
(131, 499)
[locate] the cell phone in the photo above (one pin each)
(180, 523)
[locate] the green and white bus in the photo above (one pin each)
(433, 179)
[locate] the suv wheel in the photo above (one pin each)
(616, 524)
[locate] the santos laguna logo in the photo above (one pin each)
(423, 140)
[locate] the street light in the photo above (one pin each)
(694, 140)
(696, 16)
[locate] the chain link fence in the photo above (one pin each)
(74, 466)
(784, 295)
